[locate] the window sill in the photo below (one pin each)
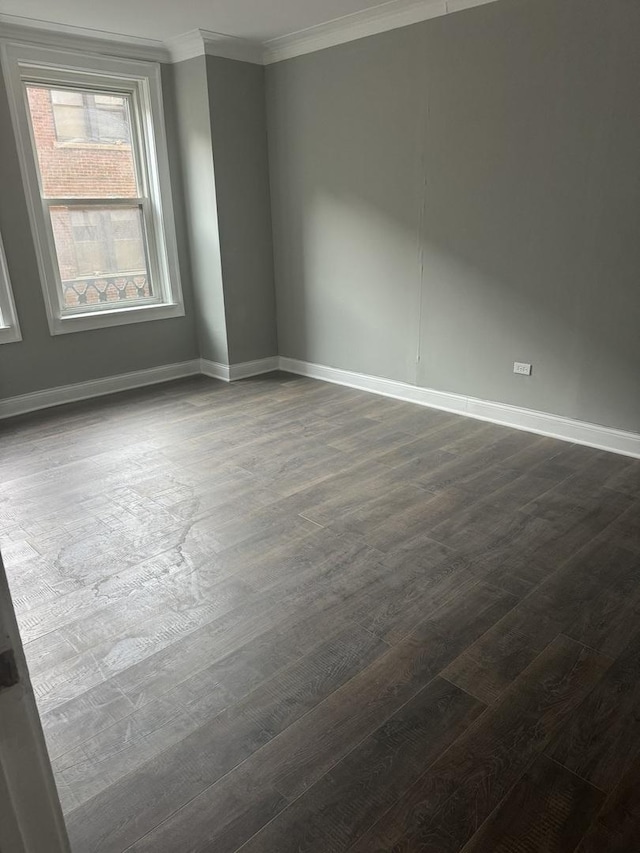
(114, 317)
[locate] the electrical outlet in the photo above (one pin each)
(522, 368)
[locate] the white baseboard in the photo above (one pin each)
(231, 372)
(565, 429)
(96, 388)
(215, 370)
(254, 368)
(137, 379)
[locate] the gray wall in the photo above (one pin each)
(194, 132)
(42, 361)
(223, 144)
(463, 193)
(239, 135)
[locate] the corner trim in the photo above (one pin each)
(542, 423)
(379, 19)
(215, 370)
(96, 388)
(254, 368)
(206, 42)
(243, 370)
(232, 47)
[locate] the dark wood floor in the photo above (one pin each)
(283, 616)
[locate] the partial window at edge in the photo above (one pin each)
(9, 327)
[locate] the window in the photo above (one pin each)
(93, 155)
(90, 118)
(9, 328)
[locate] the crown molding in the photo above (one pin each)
(68, 37)
(232, 47)
(185, 46)
(379, 19)
(198, 42)
(208, 43)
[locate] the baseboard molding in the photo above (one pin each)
(96, 388)
(565, 429)
(25, 403)
(543, 423)
(215, 370)
(254, 368)
(243, 370)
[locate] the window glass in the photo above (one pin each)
(103, 169)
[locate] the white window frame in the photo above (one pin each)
(24, 64)
(9, 326)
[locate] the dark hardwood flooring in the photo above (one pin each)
(282, 616)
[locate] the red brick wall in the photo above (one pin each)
(80, 170)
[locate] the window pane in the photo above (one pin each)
(69, 121)
(66, 96)
(83, 143)
(101, 254)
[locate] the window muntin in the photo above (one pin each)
(129, 272)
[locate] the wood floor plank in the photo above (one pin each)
(314, 744)
(305, 750)
(621, 811)
(213, 749)
(549, 810)
(603, 734)
(343, 804)
(573, 599)
(232, 656)
(449, 803)
(600, 840)
(423, 575)
(235, 598)
(617, 827)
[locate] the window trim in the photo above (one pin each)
(9, 326)
(23, 63)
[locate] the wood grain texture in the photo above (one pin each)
(452, 799)
(272, 613)
(334, 813)
(603, 735)
(582, 598)
(548, 810)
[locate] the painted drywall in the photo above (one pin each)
(221, 124)
(194, 133)
(464, 193)
(239, 139)
(41, 361)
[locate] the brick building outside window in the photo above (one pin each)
(83, 144)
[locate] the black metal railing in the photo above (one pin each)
(123, 287)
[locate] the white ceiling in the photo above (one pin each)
(258, 20)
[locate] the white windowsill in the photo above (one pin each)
(114, 317)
